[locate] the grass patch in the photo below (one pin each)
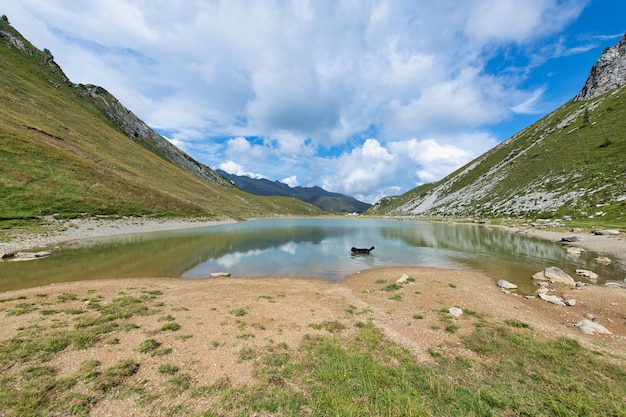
(392, 287)
(239, 312)
(330, 326)
(171, 326)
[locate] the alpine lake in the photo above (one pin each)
(304, 247)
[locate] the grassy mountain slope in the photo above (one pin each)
(61, 153)
(570, 163)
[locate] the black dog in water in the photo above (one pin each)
(359, 250)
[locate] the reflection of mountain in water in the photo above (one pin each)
(498, 252)
(301, 247)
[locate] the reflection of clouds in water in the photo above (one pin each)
(289, 247)
(231, 259)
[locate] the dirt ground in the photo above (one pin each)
(280, 311)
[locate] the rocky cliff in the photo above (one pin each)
(137, 130)
(607, 74)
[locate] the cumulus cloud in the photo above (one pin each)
(234, 168)
(291, 181)
(363, 98)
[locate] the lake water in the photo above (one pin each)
(302, 248)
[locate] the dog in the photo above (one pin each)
(361, 250)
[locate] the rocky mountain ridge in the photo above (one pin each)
(608, 73)
(317, 196)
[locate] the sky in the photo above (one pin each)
(364, 98)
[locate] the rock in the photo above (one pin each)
(28, 256)
(587, 274)
(571, 238)
(555, 275)
(455, 311)
(603, 260)
(551, 299)
(606, 232)
(219, 274)
(506, 285)
(570, 302)
(404, 278)
(613, 284)
(7, 255)
(575, 251)
(539, 276)
(590, 327)
(530, 297)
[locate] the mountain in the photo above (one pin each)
(570, 163)
(71, 149)
(325, 200)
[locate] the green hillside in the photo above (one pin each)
(570, 163)
(61, 153)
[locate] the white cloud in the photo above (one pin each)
(234, 168)
(519, 21)
(291, 181)
(529, 106)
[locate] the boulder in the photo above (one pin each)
(571, 238)
(403, 279)
(575, 251)
(555, 275)
(552, 299)
(219, 274)
(603, 260)
(455, 311)
(591, 327)
(506, 285)
(606, 232)
(587, 274)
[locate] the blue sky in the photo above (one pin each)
(365, 98)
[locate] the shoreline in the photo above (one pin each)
(64, 231)
(614, 246)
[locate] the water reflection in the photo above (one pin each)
(302, 247)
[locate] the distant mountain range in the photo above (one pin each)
(325, 200)
(571, 163)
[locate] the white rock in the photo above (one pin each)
(570, 302)
(607, 232)
(455, 311)
(551, 299)
(506, 285)
(586, 273)
(403, 279)
(603, 260)
(556, 275)
(575, 251)
(590, 327)
(219, 274)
